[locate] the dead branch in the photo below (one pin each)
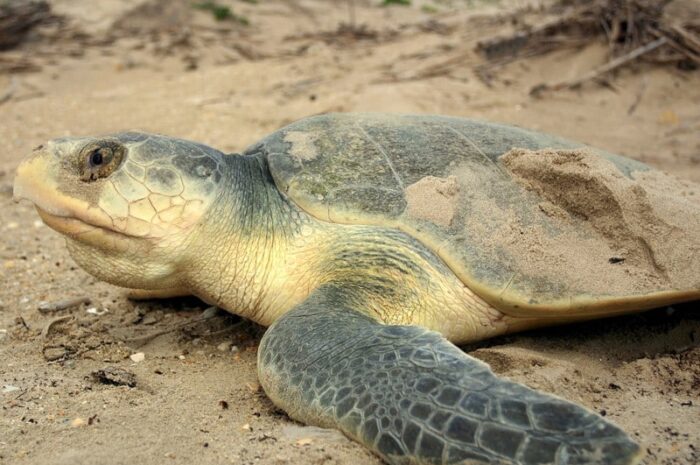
(596, 73)
(627, 26)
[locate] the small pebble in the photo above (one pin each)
(246, 427)
(115, 376)
(149, 319)
(54, 353)
(223, 347)
(8, 388)
(304, 442)
(181, 357)
(77, 423)
(235, 349)
(96, 312)
(3, 334)
(137, 357)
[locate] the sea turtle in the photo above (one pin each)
(367, 242)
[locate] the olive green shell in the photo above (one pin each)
(371, 168)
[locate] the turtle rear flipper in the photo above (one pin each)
(414, 398)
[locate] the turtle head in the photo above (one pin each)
(127, 203)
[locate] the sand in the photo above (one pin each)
(646, 225)
(196, 398)
(433, 199)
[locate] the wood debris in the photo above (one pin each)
(50, 307)
(659, 31)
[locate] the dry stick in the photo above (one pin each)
(49, 307)
(691, 49)
(616, 63)
(692, 41)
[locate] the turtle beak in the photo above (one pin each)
(35, 181)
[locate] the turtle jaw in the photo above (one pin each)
(89, 234)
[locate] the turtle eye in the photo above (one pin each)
(96, 158)
(101, 160)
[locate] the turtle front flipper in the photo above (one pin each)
(412, 397)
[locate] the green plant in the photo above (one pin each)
(396, 2)
(221, 12)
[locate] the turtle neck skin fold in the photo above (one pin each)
(245, 271)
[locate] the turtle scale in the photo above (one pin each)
(359, 168)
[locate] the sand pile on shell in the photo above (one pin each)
(644, 226)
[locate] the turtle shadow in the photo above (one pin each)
(667, 330)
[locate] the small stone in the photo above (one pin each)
(235, 349)
(96, 312)
(246, 427)
(223, 347)
(137, 357)
(150, 319)
(54, 353)
(181, 357)
(3, 334)
(9, 388)
(304, 442)
(114, 376)
(78, 422)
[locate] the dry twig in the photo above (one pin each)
(633, 30)
(598, 72)
(50, 307)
